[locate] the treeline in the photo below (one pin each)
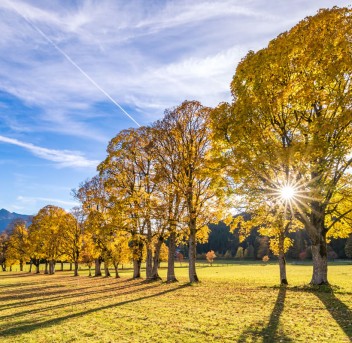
(227, 245)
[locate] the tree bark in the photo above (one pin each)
(46, 267)
(62, 266)
(21, 265)
(282, 266)
(320, 264)
(97, 267)
(52, 267)
(282, 260)
(137, 268)
(116, 266)
(76, 269)
(192, 252)
(317, 234)
(37, 266)
(137, 257)
(149, 246)
(106, 269)
(156, 263)
(171, 257)
(149, 261)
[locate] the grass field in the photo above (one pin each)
(234, 302)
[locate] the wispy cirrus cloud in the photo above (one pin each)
(25, 199)
(62, 158)
(132, 50)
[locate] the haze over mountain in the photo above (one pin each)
(7, 217)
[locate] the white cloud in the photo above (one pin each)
(148, 55)
(63, 158)
(29, 200)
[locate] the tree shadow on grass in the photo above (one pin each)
(338, 310)
(15, 275)
(63, 304)
(269, 333)
(18, 330)
(65, 295)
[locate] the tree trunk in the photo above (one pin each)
(106, 269)
(171, 257)
(149, 257)
(116, 266)
(62, 267)
(156, 263)
(282, 260)
(76, 269)
(149, 261)
(282, 266)
(21, 265)
(46, 267)
(320, 264)
(97, 267)
(137, 268)
(52, 267)
(192, 252)
(71, 266)
(137, 257)
(37, 266)
(317, 234)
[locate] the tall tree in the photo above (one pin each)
(128, 172)
(291, 124)
(171, 207)
(186, 143)
(95, 204)
(73, 233)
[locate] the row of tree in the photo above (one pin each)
(281, 151)
(157, 183)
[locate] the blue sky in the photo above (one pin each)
(146, 55)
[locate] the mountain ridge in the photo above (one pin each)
(6, 217)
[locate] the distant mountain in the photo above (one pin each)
(7, 217)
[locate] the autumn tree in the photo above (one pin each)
(120, 250)
(290, 124)
(128, 173)
(4, 238)
(72, 243)
(49, 226)
(88, 253)
(18, 243)
(95, 203)
(186, 144)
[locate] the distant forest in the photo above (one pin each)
(227, 245)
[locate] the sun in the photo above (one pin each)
(287, 193)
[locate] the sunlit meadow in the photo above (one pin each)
(234, 302)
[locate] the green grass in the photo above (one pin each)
(234, 302)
